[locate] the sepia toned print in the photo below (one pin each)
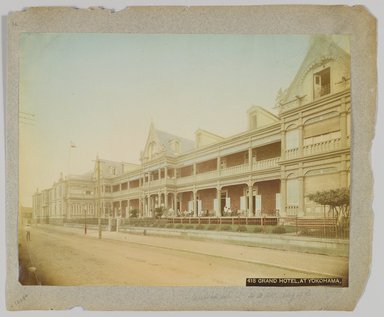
(184, 160)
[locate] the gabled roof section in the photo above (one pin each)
(161, 142)
(259, 117)
(109, 168)
(204, 137)
(166, 139)
(322, 48)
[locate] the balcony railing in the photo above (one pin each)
(325, 90)
(130, 191)
(316, 148)
(291, 153)
(207, 175)
(229, 171)
(292, 210)
(325, 146)
(154, 183)
(159, 182)
(184, 180)
(235, 170)
(265, 164)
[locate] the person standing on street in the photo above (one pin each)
(28, 232)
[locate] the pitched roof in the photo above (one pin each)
(165, 139)
(322, 47)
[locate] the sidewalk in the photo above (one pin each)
(297, 261)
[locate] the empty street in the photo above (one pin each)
(65, 256)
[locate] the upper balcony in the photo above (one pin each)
(316, 148)
(159, 182)
(237, 170)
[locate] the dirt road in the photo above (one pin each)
(67, 257)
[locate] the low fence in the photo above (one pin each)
(306, 227)
(88, 221)
(317, 227)
(267, 221)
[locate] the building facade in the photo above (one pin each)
(267, 170)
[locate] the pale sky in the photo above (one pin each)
(101, 92)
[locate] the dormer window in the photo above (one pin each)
(151, 150)
(112, 170)
(322, 83)
(175, 146)
(254, 121)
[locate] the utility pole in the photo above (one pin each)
(98, 197)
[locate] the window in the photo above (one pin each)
(254, 121)
(322, 83)
(292, 140)
(151, 150)
(175, 145)
(112, 170)
(292, 192)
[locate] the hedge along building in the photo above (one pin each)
(271, 167)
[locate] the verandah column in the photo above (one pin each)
(301, 211)
(343, 172)
(282, 131)
(250, 163)
(218, 197)
(301, 138)
(175, 203)
(343, 123)
(250, 199)
(283, 196)
(194, 203)
(166, 200)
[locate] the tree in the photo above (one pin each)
(338, 202)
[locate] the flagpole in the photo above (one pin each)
(71, 145)
(69, 183)
(98, 196)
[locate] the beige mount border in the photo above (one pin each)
(293, 19)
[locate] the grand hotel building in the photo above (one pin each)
(268, 169)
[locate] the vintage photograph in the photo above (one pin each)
(184, 159)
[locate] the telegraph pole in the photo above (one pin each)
(98, 197)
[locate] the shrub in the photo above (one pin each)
(304, 232)
(169, 225)
(225, 228)
(279, 230)
(189, 226)
(179, 226)
(241, 228)
(258, 229)
(211, 227)
(200, 227)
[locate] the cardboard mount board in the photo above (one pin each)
(356, 22)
